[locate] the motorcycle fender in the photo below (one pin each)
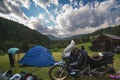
(59, 64)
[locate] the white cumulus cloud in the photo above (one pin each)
(88, 18)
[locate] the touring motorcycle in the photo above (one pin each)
(95, 66)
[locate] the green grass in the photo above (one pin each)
(42, 72)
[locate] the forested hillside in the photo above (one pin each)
(110, 30)
(13, 34)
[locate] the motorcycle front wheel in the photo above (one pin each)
(58, 72)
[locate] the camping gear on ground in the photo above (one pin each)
(61, 70)
(116, 77)
(8, 75)
(1, 78)
(28, 76)
(13, 50)
(15, 77)
(37, 56)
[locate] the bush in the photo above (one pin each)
(9, 44)
(1, 52)
(56, 50)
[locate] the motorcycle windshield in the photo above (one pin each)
(67, 50)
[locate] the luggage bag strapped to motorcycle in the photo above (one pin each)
(109, 54)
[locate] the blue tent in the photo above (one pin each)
(38, 56)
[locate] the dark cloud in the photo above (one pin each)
(3, 8)
(37, 25)
(7, 7)
(44, 1)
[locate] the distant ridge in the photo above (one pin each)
(51, 37)
(110, 30)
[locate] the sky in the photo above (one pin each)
(62, 18)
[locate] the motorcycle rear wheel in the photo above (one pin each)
(105, 70)
(58, 72)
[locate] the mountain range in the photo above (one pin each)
(109, 30)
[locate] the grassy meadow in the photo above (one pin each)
(42, 72)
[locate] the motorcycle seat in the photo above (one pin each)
(96, 57)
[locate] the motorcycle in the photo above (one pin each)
(69, 67)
